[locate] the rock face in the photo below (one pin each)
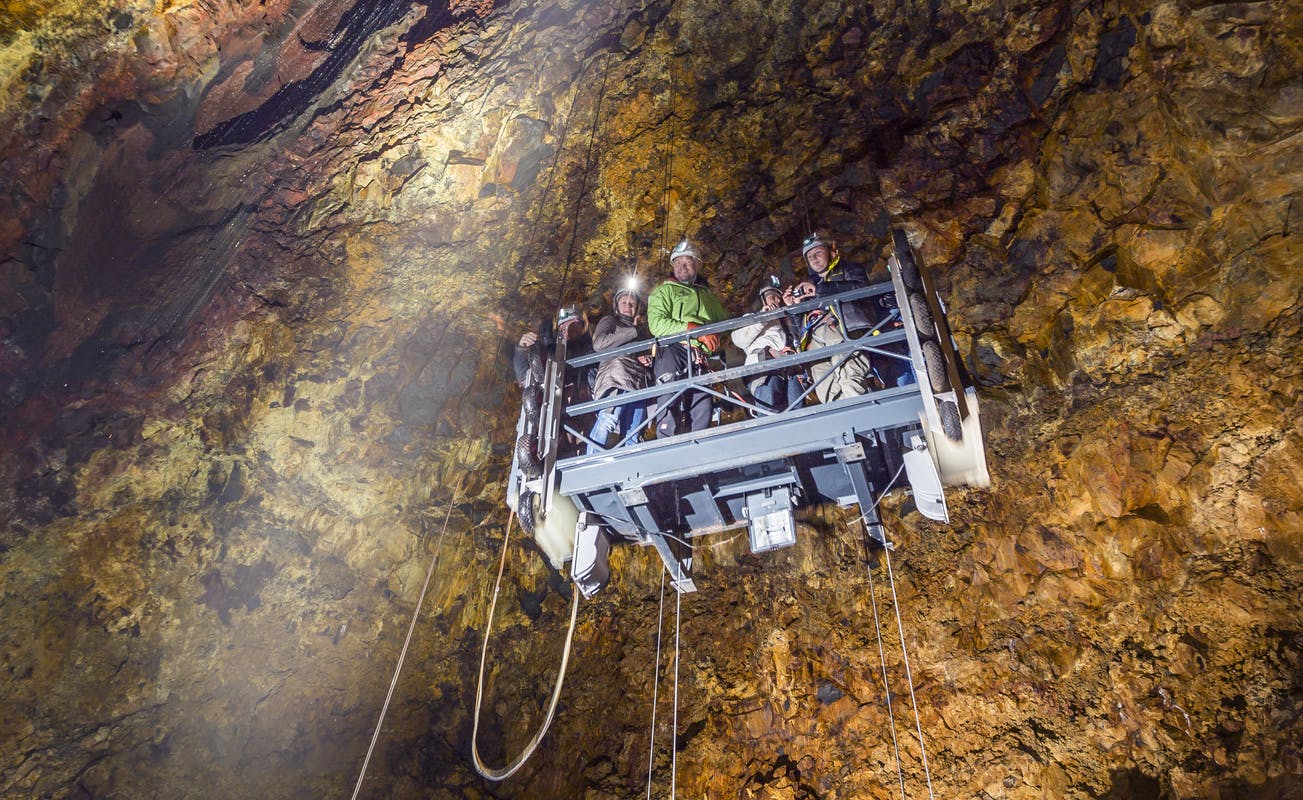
(260, 266)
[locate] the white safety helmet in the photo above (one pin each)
(626, 291)
(812, 241)
(685, 248)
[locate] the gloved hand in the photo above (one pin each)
(709, 342)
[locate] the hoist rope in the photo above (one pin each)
(805, 210)
(671, 142)
(551, 178)
(669, 160)
(900, 628)
(909, 677)
(547, 188)
(402, 655)
(583, 178)
(886, 687)
(507, 771)
(674, 738)
(877, 629)
(656, 682)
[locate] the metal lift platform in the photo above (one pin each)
(758, 465)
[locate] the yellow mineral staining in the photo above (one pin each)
(213, 597)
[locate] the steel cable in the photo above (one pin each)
(674, 737)
(877, 628)
(583, 179)
(656, 682)
(886, 688)
(402, 655)
(927, 774)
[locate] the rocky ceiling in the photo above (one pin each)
(260, 263)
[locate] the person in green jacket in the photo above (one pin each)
(678, 304)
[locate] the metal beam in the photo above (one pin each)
(853, 462)
(806, 430)
(680, 569)
(724, 326)
(872, 345)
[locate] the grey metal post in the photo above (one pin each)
(680, 569)
(852, 459)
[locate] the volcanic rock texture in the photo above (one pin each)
(260, 267)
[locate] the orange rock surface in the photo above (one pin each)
(261, 267)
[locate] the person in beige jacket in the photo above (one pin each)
(762, 341)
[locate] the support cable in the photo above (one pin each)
(805, 209)
(908, 675)
(505, 772)
(886, 688)
(402, 655)
(671, 142)
(583, 180)
(547, 188)
(674, 740)
(656, 682)
(877, 628)
(669, 161)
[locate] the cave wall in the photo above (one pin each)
(260, 266)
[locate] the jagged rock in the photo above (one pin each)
(260, 264)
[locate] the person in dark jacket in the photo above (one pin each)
(682, 303)
(626, 373)
(830, 275)
(573, 325)
(819, 328)
(570, 323)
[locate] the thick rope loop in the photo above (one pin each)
(488, 772)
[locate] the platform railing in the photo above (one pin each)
(872, 342)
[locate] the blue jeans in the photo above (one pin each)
(776, 391)
(626, 418)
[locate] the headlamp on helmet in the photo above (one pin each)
(630, 286)
(567, 314)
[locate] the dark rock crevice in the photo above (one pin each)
(358, 23)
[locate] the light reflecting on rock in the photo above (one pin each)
(260, 266)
